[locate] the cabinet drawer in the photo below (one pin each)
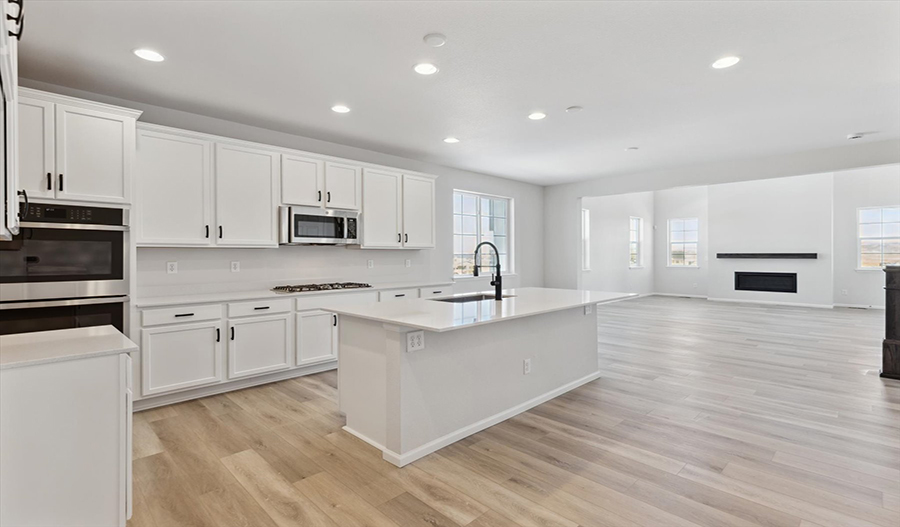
(170, 315)
(397, 294)
(431, 292)
(334, 300)
(259, 307)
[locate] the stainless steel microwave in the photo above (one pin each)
(315, 226)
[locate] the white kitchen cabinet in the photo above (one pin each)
(302, 181)
(75, 150)
(11, 25)
(173, 190)
(343, 184)
(316, 337)
(181, 356)
(259, 345)
(246, 196)
(382, 215)
(418, 212)
(397, 294)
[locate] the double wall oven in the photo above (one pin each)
(67, 267)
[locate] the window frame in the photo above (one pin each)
(585, 239)
(669, 244)
(860, 237)
(640, 242)
(510, 229)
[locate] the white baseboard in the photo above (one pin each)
(859, 306)
(154, 401)
(677, 295)
(771, 303)
(401, 460)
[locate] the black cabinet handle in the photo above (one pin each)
(24, 194)
(436, 292)
(260, 308)
(398, 296)
(220, 231)
(406, 238)
(217, 335)
(335, 320)
(19, 19)
(329, 196)
(207, 231)
(320, 195)
(60, 183)
(399, 238)
(49, 181)
(179, 315)
(232, 332)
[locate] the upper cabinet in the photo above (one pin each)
(302, 181)
(398, 210)
(246, 196)
(343, 185)
(173, 189)
(75, 150)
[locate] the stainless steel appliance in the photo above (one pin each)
(304, 288)
(67, 267)
(315, 226)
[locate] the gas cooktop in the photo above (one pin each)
(303, 288)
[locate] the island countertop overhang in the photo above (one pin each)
(434, 315)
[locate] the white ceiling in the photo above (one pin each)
(812, 72)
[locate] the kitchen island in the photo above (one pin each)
(417, 375)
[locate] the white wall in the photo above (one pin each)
(686, 202)
(792, 214)
(562, 237)
(609, 249)
(867, 187)
(208, 269)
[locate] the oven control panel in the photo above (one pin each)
(44, 213)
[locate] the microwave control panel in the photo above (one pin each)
(44, 213)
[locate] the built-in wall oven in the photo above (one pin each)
(67, 267)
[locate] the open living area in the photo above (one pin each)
(615, 263)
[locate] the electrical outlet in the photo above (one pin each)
(588, 309)
(171, 267)
(526, 366)
(843, 292)
(409, 263)
(235, 267)
(415, 341)
(370, 263)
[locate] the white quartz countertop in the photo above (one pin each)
(28, 349)
(432, 315)
(265, 293)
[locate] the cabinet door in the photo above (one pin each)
(381, 217)
(246, 196)
(173, 190)
(259, 345)
(181, 356)
(316, 337)
(94, 152)
(302, 181)
(342, 186)
(36, 173)
(418, 212)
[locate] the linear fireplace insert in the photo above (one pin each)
(768, 282)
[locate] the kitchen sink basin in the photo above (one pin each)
(468, 298)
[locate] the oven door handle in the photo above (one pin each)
(67, 302)
(77, 226)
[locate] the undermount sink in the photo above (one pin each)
(468, 298)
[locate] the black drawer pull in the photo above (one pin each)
(436, 292)
(179, 315)
(398, 296)
(260, 308)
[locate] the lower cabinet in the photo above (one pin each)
(259, 345)
(317, 337)
(180, 357)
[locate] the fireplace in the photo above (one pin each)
(767, 282)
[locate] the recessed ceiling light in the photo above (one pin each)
(435, 40)
(340, 108)
(574, 109)
(537, 116)
(149, 54)
(631, 149)
(425, 69)
(451, 140)
(725, 62)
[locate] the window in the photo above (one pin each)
(480, 218)
(684, 235)
(585, 240)
(879, 237)
(635, 240)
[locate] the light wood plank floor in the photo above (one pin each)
(708, 414)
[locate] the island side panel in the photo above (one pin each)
(363, 378)
(466, 377)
